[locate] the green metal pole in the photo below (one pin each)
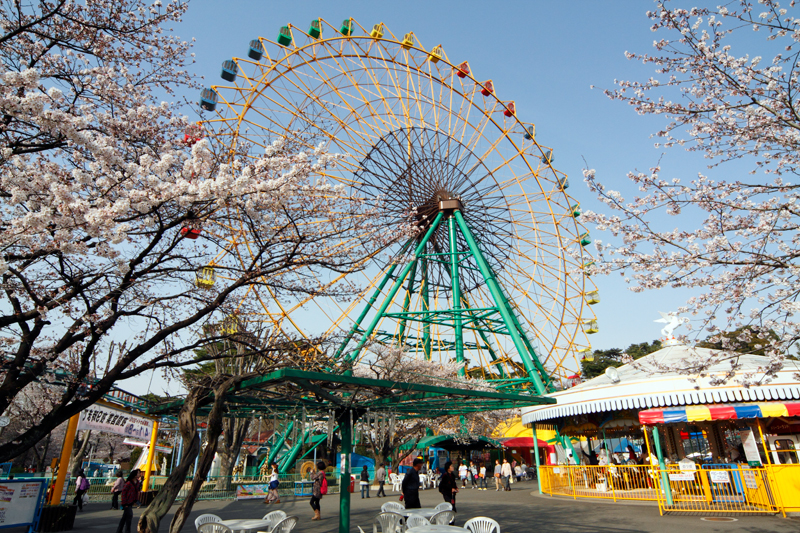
(344, 477)
(451, 223)
(499, 300)
(662, 466)
(279, 445)
(536, 454)
(367, 307)
(426, 306)
(395, 287)
(407, 302)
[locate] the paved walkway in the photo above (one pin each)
(522, 510)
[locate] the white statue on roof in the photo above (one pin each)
(672, 321)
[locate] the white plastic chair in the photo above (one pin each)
(444, 506)
(214, 527)
(285, 525)
(206, 519)
(274, 517)
(415, 520)
(392, 507)
(443, 518)
(482, 524)
(389, 523)
(394, 479)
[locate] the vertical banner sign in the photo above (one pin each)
(110, 420)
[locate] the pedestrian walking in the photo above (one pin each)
(410, 485)
(462, 474)
(497, 473)
(272, 488)
(128, 497)
(473, 474)
(482, 477)
(116, 490)
(448, 485)
(506, 472)
(364, 482)
(81, 486)
(380, 477)
(319, 489)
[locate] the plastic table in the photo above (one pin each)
(427, 512)
(435, 529)
(248, 526)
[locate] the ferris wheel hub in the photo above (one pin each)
(450, 204)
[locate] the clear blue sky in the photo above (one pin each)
(542, 54)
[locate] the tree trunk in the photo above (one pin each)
(41, 459)
(187, 423)
(233, 435)
(214, 429)
(76, 458)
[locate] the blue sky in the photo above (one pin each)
(545, 55)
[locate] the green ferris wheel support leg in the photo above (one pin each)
(279, 444)
(407, 301)
(369, 305)
(459, 333)
(393, 291)
(426, 306)
(499, 299)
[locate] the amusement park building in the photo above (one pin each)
(677, 416)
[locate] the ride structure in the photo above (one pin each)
(494, 277)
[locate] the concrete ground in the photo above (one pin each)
(522, 510)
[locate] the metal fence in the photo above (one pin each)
(721, 488)
(214, 488)
(619, 482)
(718, 488)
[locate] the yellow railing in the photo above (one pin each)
(728, 488)
(618, 482)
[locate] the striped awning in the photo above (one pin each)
(725, 411)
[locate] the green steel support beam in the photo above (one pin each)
(407, 301)
(344, 477)
(273, 453)
(499, 300)
(393, 292)
(451, 226)
(369, 305)
(292, 454)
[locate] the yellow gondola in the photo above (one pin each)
(205, 277)
(593, 297)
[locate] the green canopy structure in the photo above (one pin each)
(346, 398)
(451, 442)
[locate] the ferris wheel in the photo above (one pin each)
(496, 276)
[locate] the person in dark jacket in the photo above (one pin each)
(410, 486)
(318, 490)
(130, 493)
(448, 485)
(364, 482)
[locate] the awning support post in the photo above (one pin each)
(536, 455)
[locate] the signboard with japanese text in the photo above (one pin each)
(110, 420)
(683, 476)
(20, 502)
(719, 476)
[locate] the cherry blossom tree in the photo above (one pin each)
(726, 82)
(110, 201)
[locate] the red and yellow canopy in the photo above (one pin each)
(722, 411)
